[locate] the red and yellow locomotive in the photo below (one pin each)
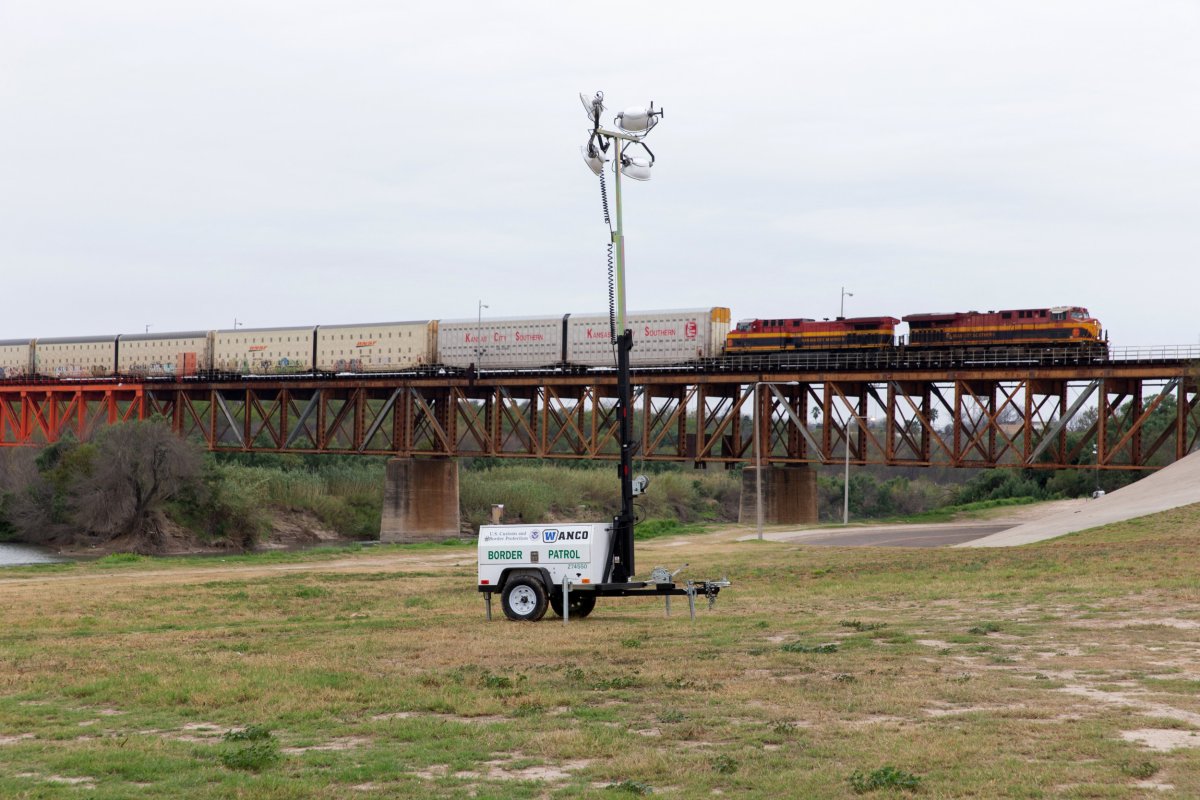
(1060, 326)
(1038, 327)
(776, 335)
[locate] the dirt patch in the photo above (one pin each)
(1131, 700)
(86, 783)
(341, 743)
(1156, 786)
(935, 643)
(484, 719)
(498, 770)
(15, 739)
(1162, 739)
(949, 711)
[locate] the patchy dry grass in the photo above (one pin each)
(1065, 669)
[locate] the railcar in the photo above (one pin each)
(675, 336)
(165, 355)
(376, 347)
(75, 356)
(582, 340)
(783, 335)
(1057, 326)
(16, 358)
(263, 351)
(501, 343)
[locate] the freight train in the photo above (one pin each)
(569, 340)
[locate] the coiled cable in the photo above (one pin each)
(612, 292)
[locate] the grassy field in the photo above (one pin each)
(1043, 671)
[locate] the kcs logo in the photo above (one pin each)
(690, 329)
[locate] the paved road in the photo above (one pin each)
(942, 535)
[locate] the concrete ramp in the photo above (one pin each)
(1171, 487)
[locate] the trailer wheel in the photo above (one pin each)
(524, 599)
(580, 604)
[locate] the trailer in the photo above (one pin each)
(566, 568)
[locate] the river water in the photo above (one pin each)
(15, 555)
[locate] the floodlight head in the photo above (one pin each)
(638, 119)
(593, 106)
(594, 157)
(636, 167)
(639, 485)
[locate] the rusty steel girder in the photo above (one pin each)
(1108, 417)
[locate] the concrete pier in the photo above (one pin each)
(789, 496)
(420, 500)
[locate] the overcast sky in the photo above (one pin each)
(183, 164)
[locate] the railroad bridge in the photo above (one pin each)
(1131, 409)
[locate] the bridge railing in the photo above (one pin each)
(1156, 354)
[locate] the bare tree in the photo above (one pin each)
(138, 467)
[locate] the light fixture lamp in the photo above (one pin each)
(635, 167)
(594, 156)
(638, 119)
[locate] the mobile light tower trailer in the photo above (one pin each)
(567, 567)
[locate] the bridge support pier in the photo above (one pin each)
(789, 495)
(420, 500)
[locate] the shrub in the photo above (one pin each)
(883, 778)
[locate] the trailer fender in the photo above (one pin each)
(538, 572)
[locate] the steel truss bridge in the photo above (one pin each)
(1130, 410)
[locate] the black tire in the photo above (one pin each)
(524, 599)
(580, 604)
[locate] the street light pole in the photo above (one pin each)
(846, 479)
(479, 334)
(842, 308)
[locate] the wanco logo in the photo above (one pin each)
(551, 536)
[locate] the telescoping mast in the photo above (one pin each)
(567, 567)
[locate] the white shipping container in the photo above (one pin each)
(376, 347)
(514, 343)
(659, 337)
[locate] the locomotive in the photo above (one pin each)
(1060, 326)
(577, 341)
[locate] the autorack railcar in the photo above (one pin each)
(263, 351)
(75, 356)
(376, 347)
(165, 355)
(16, 358)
